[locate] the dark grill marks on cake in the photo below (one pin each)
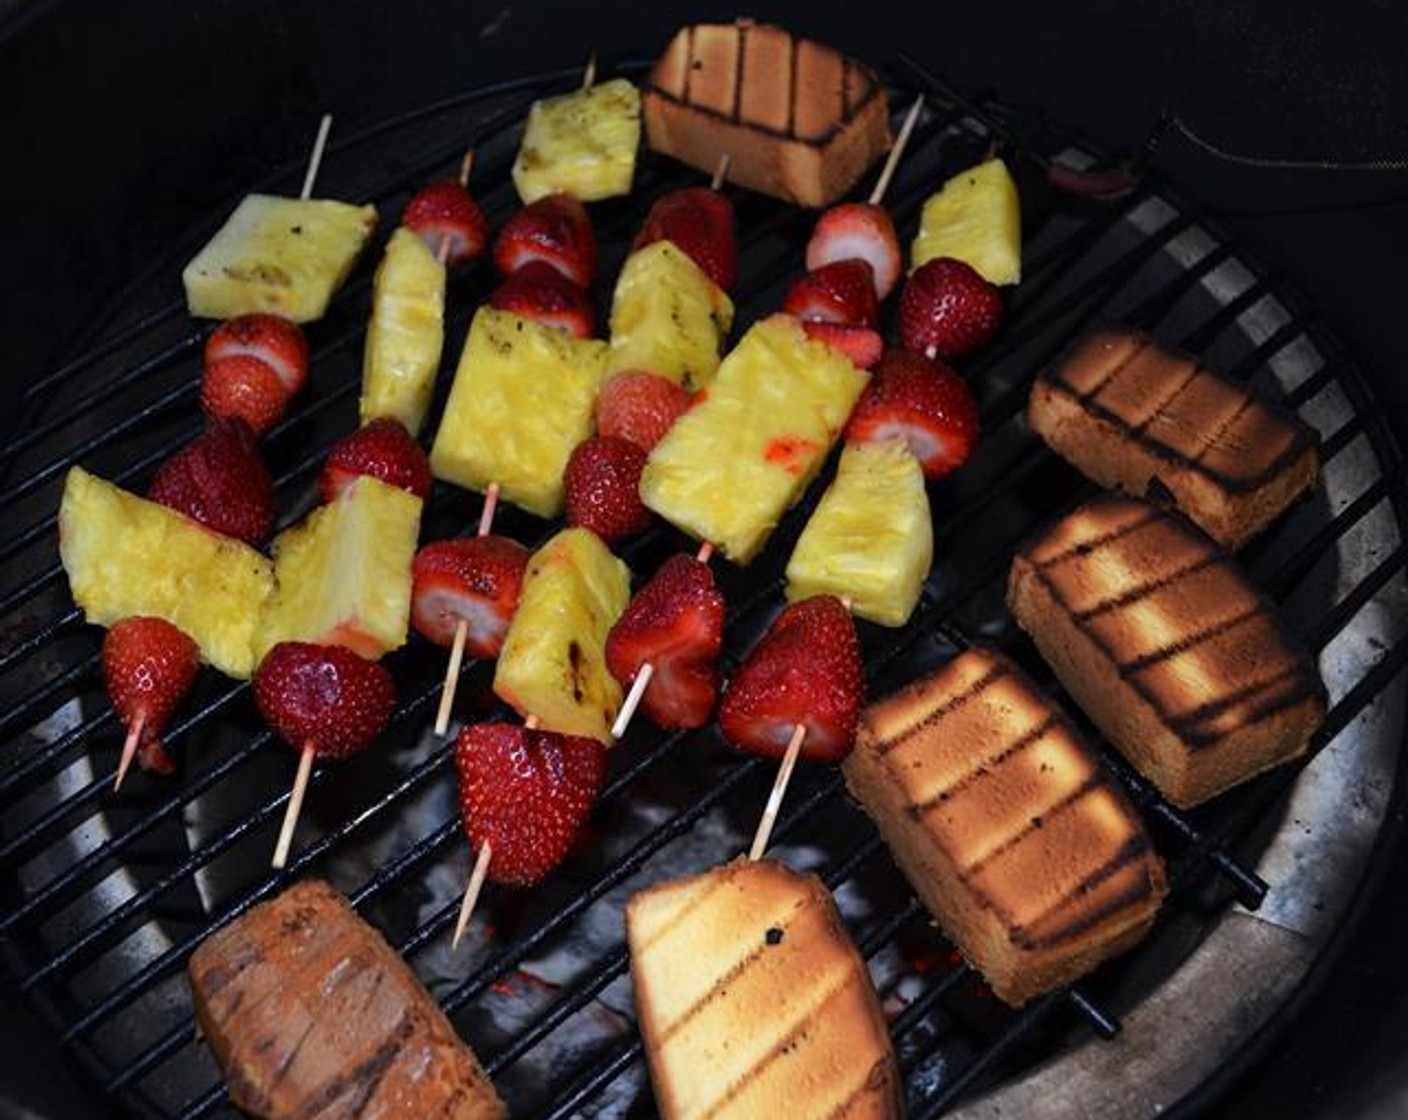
(972, 692)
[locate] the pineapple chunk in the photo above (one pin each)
(344, 574)
(521, 401)
(975, 218)
(553, 664)
(668, 317)
(126, 556)
(871, 539)
(734, 463)
(583, 143)
(284, 256)
(406, 332)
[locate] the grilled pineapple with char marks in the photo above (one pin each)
(553, 664)
(976, 218)
(406, 332)
(282, 256)
(583, 143)
(870, 539)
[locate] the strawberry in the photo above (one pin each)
(861, 344)
(539, 292)
(383, 449)
(640, 407)
(699, 222)
(858, 229)
(601, 488)
(675, 622)
(554, 229)
(276, 342)
(807, 670)
(926, 404)
(148, 665)
(477, 579)
(444, 213)
(219, 480)
(841, 292)
(243, 387)
(948, 310)
(323, 695)
(526, 793)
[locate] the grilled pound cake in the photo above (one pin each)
(311, 1014)
(798, 120)
(1005, 824)
(753, 1001)
(1130, 414)
(1171, 651)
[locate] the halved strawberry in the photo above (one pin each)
(807, 670)
(640, 407)
(841, 292)
(243, 387)
(148, 666)
(858, 229)
(444, 214)
(554, 229)
(219, 480)
(382, 449)
(676, 623)
(861, 344)
(948, 310)
(526, 793)
(925, 403)
(699, 222)
(324, 695)
(539, 292)
(273, 340)
(601, 488)
(472, 579)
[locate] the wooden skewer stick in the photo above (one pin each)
(466, 167)
(779, 790)
(887, 173)
(491, 505)
(316, 159)
(452, 669)
(129, 749)
(295, 805)
(589, 74)
(719, 172)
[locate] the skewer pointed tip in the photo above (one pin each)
(316, 159)
(471, 893)
(779, 790)
(491, 505)
(721, 171)
(632, 700)
(882, 184)
(589, 74)
(129, 749)
(452, 678)
(295, 806)
(466, 167)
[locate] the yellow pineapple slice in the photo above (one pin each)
(668, 317)
(521, 401)
(344, 574)
(870, 539)
(553, 664)
(733, 464)
(284, 256)
(127, 556)
(975, 218)
(583, 143)
(406, 332)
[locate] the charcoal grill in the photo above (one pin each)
(106, 896)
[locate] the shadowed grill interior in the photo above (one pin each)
(107, 896)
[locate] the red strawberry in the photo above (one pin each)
(601, 488)
(948, 310)
(554, 229)
(807, 670)
(148, 665)
(382, 449)
(324, 695)
(858, 229)
(699, 222)
(675, 622)
(840, 292)
(923, 402)
(526, 793)
(219, 480)
(640, 407)
(539, 292)
(274, 341)
(444, 213)
(243, 387)
(861, 344)
(477, 579)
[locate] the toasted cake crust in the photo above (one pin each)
(1005, 824)
(1132, 415)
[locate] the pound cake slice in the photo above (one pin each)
(798, 120)
(1006, 825)
(753, 1001)
(1129, 414)
(1169, 648)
